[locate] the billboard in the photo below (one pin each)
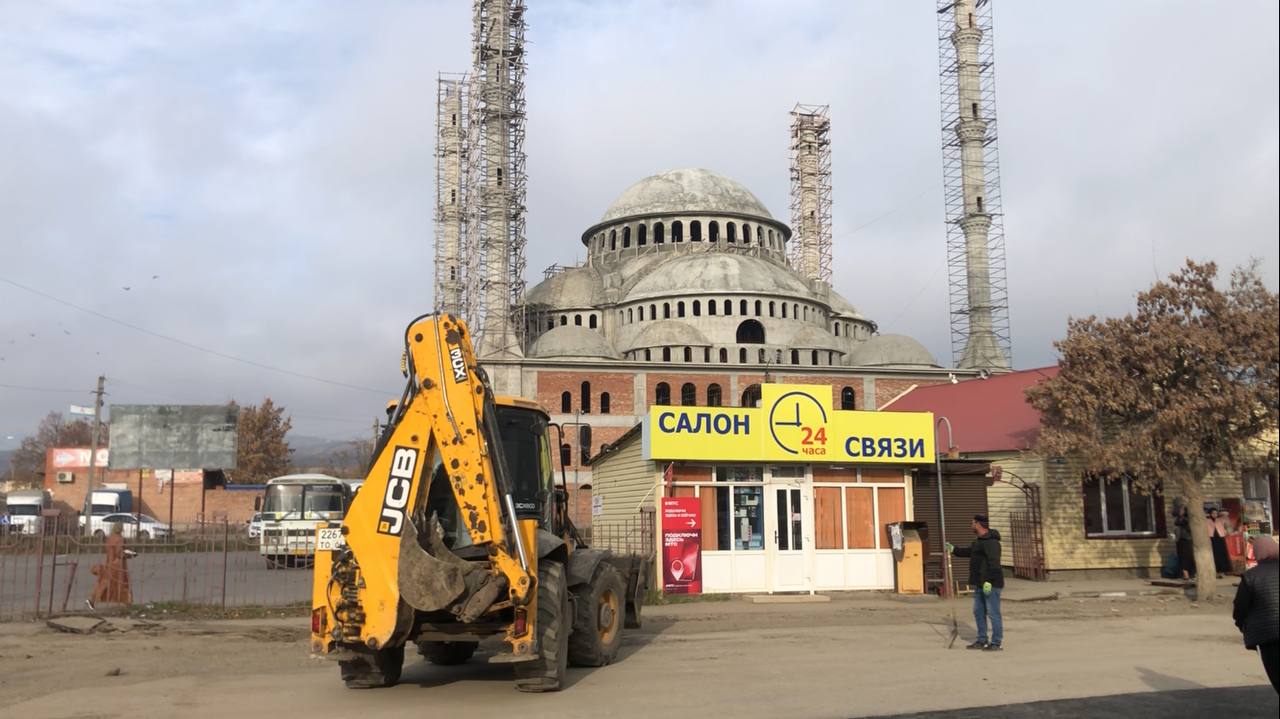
(794, 423)
(150, 436)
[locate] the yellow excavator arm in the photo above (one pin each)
(445, 425)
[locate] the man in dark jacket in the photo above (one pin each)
(987, 579)
(1257, 606)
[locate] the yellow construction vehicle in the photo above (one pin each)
(460, 532)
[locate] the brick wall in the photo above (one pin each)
(553, 383)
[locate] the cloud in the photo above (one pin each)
(272, 163)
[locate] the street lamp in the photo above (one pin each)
(942, 509)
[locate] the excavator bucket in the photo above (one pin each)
(430, 583)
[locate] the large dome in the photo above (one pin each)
(717, 272)
(892, 351)
(686, 190)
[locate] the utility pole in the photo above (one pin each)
(93, 445)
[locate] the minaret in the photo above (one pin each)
(451, 132)
(810, 246)
(976, 239)
(497, 88)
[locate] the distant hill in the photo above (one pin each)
(5, 456)
(318, 453)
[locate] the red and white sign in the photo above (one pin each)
(64, 457)
(681, 545)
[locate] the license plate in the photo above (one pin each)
(328, 540)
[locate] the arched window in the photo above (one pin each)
(711, 307)
(566, 455)
(697, 308)
(731, 232)
(564, 320)
(631, 317)
(584, 443)
(688, 395)
(666, 354)
(831, 358)
(613, 239)
(666, 310)
(662, 394)
(648, 356)
(653, 312)
(777, 357)
(591, 321)
(742, 356)
(626, 237)
(604, 403)
(677, 231)
(770, 238)
(761, 359)
(770, 309)
(680, 309)
(724, 356)
(695, 231)
(706, 354)
(586, 397)
(759, 235)
(750, 332)
(814, 358)
(688, 354)
(577, 320)
(837, 329)
(751, 396)
(742, 307)
(713, 395)
(728, 307)
(551, 323)
(759, 305)
(640, 313)
(566, 402)
(642, 235)
(746, 234)
(657, 233)
(784, 310)
(713, 231)
(795, 356)
(847, 399)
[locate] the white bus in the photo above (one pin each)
(290, 508)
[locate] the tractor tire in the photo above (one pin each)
(598, 618)
(373, 669)
(547, 672)
(447, 654)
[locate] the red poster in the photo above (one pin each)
(681, 545)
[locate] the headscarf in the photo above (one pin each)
(1265, 548)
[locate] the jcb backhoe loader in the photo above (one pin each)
(460, 532)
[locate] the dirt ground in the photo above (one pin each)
(854, 656)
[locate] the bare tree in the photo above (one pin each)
(1185, 387)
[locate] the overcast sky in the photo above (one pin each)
(257, 178)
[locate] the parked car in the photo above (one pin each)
(135, 526)
(255, 526)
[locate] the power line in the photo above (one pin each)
(191, 345)
(45, 389)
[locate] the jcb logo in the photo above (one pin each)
(399, 482)
(459, 365)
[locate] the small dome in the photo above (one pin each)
(686, 190)
(891, 351)
(575, 287)
(668, 333)
(812, 338)
(572, 341)
(718, 272)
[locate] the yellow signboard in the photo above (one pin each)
(794, 423)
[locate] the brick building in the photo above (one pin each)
(687, 297)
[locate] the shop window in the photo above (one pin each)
(847, 398)
(688, 395)
(713, 395)
(662, 394)
(738, 513)
(751, 396)
(566, 402)
(604, 403)
(750, 332)
(828, 522)
(586, 397)
(1115, 506)
(584, 443)
(860, 510)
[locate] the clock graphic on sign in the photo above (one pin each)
(798, 423)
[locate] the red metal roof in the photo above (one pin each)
(987, 415)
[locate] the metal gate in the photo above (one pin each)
(1027, 528)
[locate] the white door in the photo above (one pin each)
(787, 536)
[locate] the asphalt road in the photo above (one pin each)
(193, 577)
(731, 659)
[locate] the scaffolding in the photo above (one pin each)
(978, 287)
(496, 180)
(455, 272)
(810, 246)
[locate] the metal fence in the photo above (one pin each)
(633, 535)
(206, 564)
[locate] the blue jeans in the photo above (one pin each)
(988, 605)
